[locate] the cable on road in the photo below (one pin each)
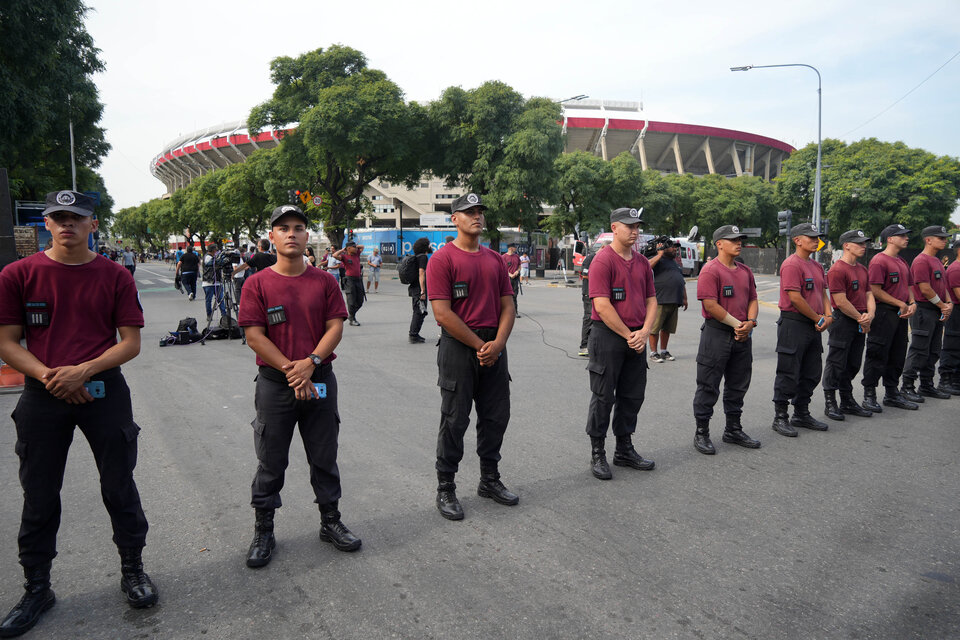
(543, 337)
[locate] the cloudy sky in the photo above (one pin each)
(178, 66)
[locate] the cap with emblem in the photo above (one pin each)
(807, 229)
(935, 231)
(287, 210)
(626, 215)
(70, 201)
(728, 232)
(854, 235)
(466, 201)
(894, 230)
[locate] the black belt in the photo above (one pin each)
(883, 306)
(603, 325)
(716, 324)
(796, 317)
(104, 376)
(487, 334)
(275, 375)
(929, 306)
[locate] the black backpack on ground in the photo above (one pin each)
(407, 270)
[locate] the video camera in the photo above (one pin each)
(656, 244)
(227, 260)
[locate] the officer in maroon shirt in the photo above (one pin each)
(512, 260)
(890, 280)
(803, 304)
(950, 353)
(624, 310)
(293, 315)
(70, 304)
(352, 280)
(933, 308)
(853, 311)
(473, 303)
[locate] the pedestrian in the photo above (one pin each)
(727, 291)
(129, 260)
(311, 257)
(417, 290)
(624, 308)
(352, 282)
(524, 268)
(890, 280)
(804, 300)
(950, 353)
(70, 305)
(259, 260)
(854, 309)
(237, 278)
(587, 320)
(187, 267)
(512, 260)
(374, 262)
(333, 265)
(933, 309)
(293, 319)
(472, 301)
(671, 293)
(212, 286)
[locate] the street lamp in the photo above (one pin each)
(816, 192)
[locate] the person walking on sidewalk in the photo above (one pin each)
(417, 290)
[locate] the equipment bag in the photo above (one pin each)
(407, 270)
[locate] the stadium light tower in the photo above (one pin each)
(571, 99)
(816, 192)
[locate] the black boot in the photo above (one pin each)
(38, 598)
(598, 460)
(950, 383)
(626, 456)
(893, 398)
(910, 393)
(849, 406)
(491, 487)
(447, 502)
(781, 420)
(830, 408)
(261, 549)
(802, 418)
(870, 400)
(927, 389)
(134, 583)
(701, 439)
(733, 434)
(332, 530)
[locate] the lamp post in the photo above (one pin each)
(816, 191)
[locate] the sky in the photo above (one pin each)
(179, 66)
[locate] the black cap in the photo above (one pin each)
(728, 232)
(71, 201)
(935, 231)
(287, 209)
(626, 215)
(805, 229)
(466, 201)
(854, 235)
(894, 230)
(956, 244)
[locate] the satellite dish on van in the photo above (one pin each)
(693, 234)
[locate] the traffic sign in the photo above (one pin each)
(317, 201)
(820, 244)
(305, 197)
(750, 232)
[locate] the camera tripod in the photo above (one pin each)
(228, 302)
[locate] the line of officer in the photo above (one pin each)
(624, 310)
(933, 308)
(890, 280)
(472, 301)
(727, 291)
(70, 304)
(950, 353)
(853, 311)
(293, 316)
(803, 302)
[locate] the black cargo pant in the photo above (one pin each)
(353, 287)
(845, 353)
(926, 340)
(464, 383)
(721, 357)
(587, 322)
(799, 350)
(278, 413)
(515, 284)
(618, 382)
(419, 313)
(886, 348)
(44, 434)
(950, 352)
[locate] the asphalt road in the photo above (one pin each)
(852, 533)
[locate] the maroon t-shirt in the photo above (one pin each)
(474, 282)
(70, 313)
(512, 261)
(892, 274)
(351, 264)
(306, 302)
(953, 280)
(734, 289)
(850, 280)
(627, 283)
(805, 276)
(930, 270)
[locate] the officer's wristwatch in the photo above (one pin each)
(754, 321)
(315, 359)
